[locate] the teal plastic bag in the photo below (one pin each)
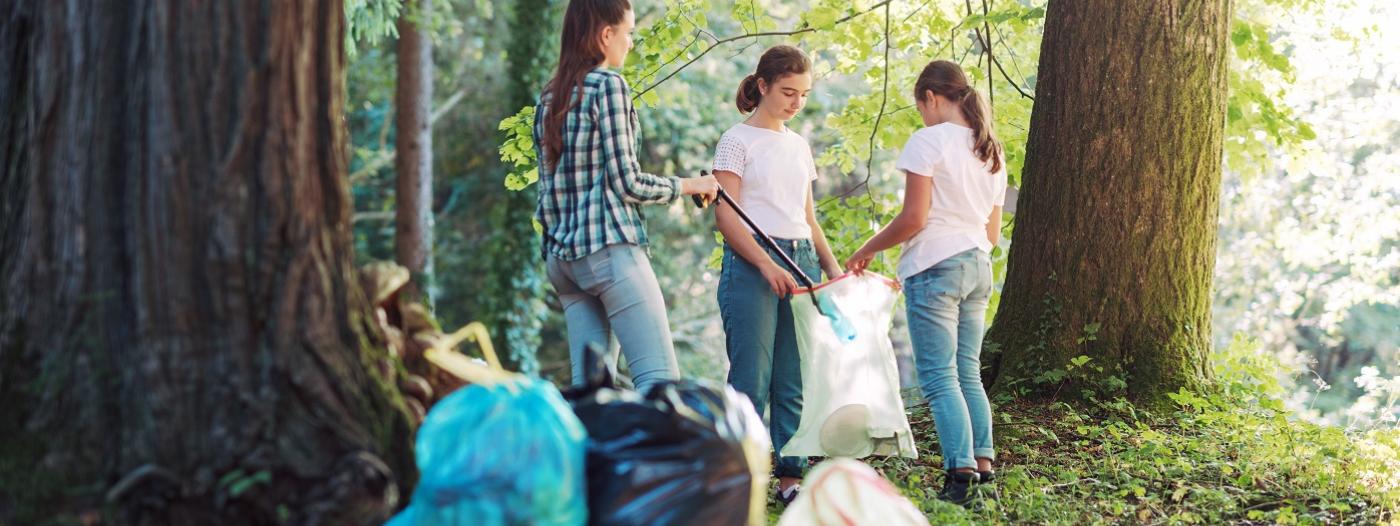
(505, 455)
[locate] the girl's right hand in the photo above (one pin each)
(705, 186)
(778, 279)
(858, 261)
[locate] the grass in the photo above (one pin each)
(1232, 457)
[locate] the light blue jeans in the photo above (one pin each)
(761, 341)
(614, 292)
(947, 307)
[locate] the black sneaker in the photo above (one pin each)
(982, 488)
(956, 486)
(786, 497)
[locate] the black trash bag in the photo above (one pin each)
(686, 452)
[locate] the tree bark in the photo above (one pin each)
(182, 337)
(1117, 218)
(413, 163)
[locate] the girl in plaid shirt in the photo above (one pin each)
(590, 193)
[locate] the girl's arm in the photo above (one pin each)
(625, 176)
(918, 192)
(742, 242)
(994, 225)
(830, 265)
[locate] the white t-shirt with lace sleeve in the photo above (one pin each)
(777, 171)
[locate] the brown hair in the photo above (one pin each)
(579, 53)
(778, 62)
(945, 78)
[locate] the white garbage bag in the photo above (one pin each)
(850, 389)
(841, 491)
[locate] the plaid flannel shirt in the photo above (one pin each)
(591, 198)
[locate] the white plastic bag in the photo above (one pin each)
(850, 389)
(842, 491)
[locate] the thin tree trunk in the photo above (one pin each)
(1116, 224)
(182, 339)
(413, 163)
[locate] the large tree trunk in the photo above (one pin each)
(1116, 224)
(413, 162)
(182, 339)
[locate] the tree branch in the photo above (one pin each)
(1011, 51)
(875, 130)
(756, 34)
(991, 58)
(673, 59)
(986, 47)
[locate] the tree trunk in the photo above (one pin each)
(1114, 243)
(413, 163)
(515, 288)
(182, 336)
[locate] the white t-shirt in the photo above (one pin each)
(964, 193)
(777, 172)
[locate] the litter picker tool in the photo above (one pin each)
(824, 305)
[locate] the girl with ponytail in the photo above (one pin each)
(955, 184)
(768, 169)
(590, 194)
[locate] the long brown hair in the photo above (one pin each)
(945, 78)
(579, 52)
(779, 61)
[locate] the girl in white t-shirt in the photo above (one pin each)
(955, 184)
(769, 170)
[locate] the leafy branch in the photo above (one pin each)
(753, 35)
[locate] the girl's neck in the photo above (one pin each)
(760, 119)
(957, 119)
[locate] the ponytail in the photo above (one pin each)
(946, 79)
(747, 98)
(978, 115)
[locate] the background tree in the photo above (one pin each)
(513, 291)
(1114, 246)
(182, 339)
(413, 160)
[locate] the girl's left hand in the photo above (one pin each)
(858, 261)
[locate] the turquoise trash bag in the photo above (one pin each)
(504, 455)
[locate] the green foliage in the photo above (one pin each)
(237, 482)
(1256, 119)
(369, 21)
(518, 152)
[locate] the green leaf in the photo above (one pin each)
(1241, 34)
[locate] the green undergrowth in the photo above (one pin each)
(1233, 455)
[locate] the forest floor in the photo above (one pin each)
(1217, 460)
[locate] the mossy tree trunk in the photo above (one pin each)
(1114, 243)
(182, 336)
(514, 291)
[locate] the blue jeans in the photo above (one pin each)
(614, 291)
(947, 307)
(764, 363)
